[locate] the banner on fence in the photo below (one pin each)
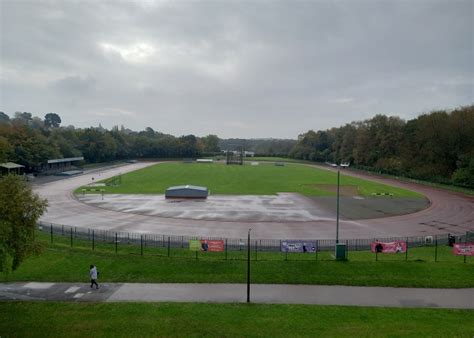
(206, 245)
(298, 246)
(195, 245)
(390, 247)
(463, 249)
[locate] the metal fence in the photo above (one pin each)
(178, 246)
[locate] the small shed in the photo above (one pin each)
(59, 165)
(187, 191)
(10, 167)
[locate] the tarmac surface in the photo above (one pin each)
(448, 212)
(236, 293)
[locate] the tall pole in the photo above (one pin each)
(337, 207)
(248, 267)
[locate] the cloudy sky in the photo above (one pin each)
(234, 68)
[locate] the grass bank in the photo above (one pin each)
(59, 262)
(53, 319)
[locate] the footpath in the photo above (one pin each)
(237, 293)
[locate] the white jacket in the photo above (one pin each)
(93, 273)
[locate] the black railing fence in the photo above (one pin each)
(146, 243)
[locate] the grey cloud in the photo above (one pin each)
(75, 85)
(236, 69)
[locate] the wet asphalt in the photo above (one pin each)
(236, 293)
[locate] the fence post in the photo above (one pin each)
(141, 245)
(182, 242)
(168, 246)
(93, 239)
(465, 241)
(316, 249)
(116, 243)
(226, 249)
(256, 248)
(71, 237)
(347, 249)
(51, 233)
(436, 248)
(406, 251)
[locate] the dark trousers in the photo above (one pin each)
(93, 281)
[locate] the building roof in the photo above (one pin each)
(11, 165)
(187, 187)
(69, 159)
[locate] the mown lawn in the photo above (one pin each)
(264, 179)
(60, 262)
(54, 319)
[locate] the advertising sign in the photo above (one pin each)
(298, 246)
(195, 245)
(391, 247)
(206, 245)
(463, 249)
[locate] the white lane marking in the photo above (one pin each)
(78, 295)
(35, 285)
(72, 289)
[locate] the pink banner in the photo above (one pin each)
(392, 247)
(463, 249)
(212, 245)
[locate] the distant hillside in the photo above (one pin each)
(270, 146)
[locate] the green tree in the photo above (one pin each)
(25, 116)
(4, 117)
(20, 209)
(52, 120)
(211, 144)
(5, 149)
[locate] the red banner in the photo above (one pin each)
(463, 249)
(212, 245)
(391, 247)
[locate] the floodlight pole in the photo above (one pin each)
(337, 206)
(248, 267)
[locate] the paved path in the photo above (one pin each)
(236, 293)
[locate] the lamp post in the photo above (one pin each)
(337, 206)
(248, 267)
(340, 252)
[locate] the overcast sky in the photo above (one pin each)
(234, 68)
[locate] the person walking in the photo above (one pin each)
(93, 274)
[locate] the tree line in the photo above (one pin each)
(436, 146)
(31, 141)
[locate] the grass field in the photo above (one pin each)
(59, 262)
(54, 319)
(264, 179)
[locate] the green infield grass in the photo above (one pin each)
(264, 179)
(59, 319)
(59, 262)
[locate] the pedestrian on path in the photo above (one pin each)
(94, 275)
